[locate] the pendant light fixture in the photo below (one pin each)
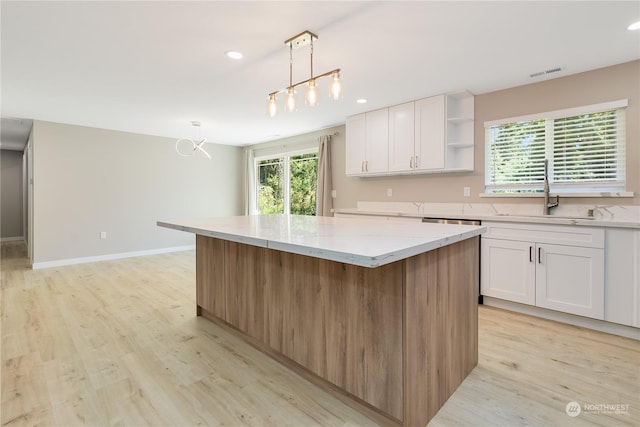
(187, 147)
(311, 92)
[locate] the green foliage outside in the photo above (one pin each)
(303, 180)
(303, 171)
(271, 186)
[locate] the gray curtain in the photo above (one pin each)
(249, 197)
(324, 202)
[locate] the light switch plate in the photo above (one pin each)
(389, 192)
(467, 191)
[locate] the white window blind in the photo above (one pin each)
(585, 148)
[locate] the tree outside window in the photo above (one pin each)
(287, 184)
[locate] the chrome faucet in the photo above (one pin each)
(547, 204)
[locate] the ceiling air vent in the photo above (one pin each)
(544, 73)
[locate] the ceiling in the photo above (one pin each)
(153, 67)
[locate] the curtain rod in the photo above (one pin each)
(268, 147)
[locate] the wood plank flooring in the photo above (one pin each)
(117, 343)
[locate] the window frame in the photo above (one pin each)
(597, 189)
(286, 156)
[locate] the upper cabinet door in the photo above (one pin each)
(377, 159)
(356, 143)
(401, 138)
(430, 133)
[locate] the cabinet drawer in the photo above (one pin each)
(588, 237)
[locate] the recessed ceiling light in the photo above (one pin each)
(361, 101)
(234, 54)
(634, 26)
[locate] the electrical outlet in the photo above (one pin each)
(103, 234)
(389, 192)
(466, 191)
(334, 194)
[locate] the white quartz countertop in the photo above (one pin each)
(367, 243)
(501, 217)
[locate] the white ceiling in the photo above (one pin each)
(152, 67)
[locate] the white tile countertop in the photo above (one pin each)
(367, 243)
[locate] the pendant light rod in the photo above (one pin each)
(290, 66)
(311, 56)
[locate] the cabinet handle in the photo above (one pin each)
(362, 166)
(411, 163)
(416, 162)
(366, 165)
(539, 255)
(530, 253)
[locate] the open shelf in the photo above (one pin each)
(460, 144)
(460, 131)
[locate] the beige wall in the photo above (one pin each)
(11, 203)
(90, 180)
(606, 84)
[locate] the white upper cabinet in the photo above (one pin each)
(377, 159)
(401, 139)
(367, 143)
(428, 135)
(356, 144)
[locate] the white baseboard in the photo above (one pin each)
(109, 257)
(12, 239)
(584, 322)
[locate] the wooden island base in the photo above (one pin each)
(393, 342)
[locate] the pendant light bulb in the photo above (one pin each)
(311, 97)
(336, 86)
(272, 106)
(290, 102)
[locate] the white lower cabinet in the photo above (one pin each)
(570, 279)
(555, 267)
(506, 271)
(622, 269)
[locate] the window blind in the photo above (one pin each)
(586, 152)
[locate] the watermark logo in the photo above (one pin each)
(573, 409)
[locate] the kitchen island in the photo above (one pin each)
(381, 315)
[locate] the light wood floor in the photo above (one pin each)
(118, 343)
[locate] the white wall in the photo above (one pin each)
(89, 180)
(11, 203)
